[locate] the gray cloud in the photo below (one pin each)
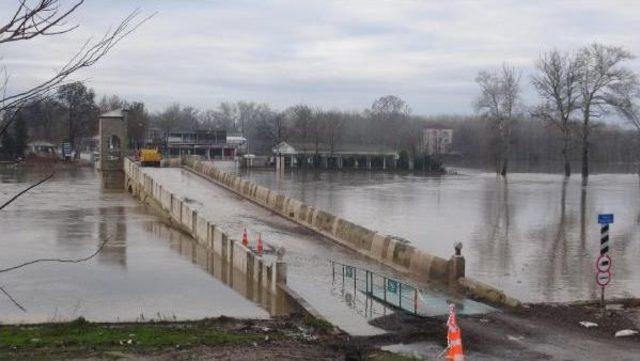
(325, 53)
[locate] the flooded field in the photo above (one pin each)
(146, 271)
(534, 235)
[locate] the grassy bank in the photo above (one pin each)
(222, 338)
(79, 337)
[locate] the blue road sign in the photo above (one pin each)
(605, 218)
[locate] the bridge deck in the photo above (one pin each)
(308, 255)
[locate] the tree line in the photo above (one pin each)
(578, 94)
(389, 122)
(575, 90)
(69, 114)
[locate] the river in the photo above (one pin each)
(534, 235)
(146, 270)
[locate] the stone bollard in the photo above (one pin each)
(281, 267)
(456, 265)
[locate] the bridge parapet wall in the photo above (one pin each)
(203, 231)
(383, 248)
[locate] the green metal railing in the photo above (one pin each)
(388, 291)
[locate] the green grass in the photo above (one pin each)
(317, 324)
(81, 334)
(388, 356)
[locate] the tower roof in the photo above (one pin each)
(117, 113)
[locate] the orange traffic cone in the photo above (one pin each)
(260, 246)
(454, 338)
(245, 239)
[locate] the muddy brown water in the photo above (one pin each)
(534, 235)
(308, 256)
(146, 271)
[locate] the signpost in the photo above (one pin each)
(603, 264)
(66, 151)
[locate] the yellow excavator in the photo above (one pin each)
(150, 157)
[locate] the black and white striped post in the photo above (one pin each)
(603, 264)
(604, 239)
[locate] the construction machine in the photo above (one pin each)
(150, 157)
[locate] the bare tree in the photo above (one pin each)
(300, 117)
(42, 18)
(633, 118)
(389, 116)
(273, 126)
(332, 125)
(175, 117)
(557, 85)
(110, 103)
(81, 112)
(605, 86)
(390, 104)
(499, 96)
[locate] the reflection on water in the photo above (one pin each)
(112, 181)
(113, 227)
(373, 295)
(140, 274)
(222, 270)
(534, 235)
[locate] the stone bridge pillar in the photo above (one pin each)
(113, 140)
(112, 131)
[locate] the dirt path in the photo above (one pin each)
(541, 332)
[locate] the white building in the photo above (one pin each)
(437, 141)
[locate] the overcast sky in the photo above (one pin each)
(332, 54)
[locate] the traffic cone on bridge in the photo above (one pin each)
(260, 245)
(245, 239)
(454, 338)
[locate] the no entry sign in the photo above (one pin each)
(604, 263)
(603, 278)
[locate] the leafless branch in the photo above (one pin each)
(40, 260)
(41, 19)
(59, 260)
(13, 299)
(26, 190)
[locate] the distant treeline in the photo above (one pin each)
(389, 122)
(72, 113)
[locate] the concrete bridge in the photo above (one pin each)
(215, 207)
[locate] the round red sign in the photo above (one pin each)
(604, 263)
(603, 278)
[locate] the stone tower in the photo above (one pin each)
(113, 140)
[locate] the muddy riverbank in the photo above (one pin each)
(533, 332)
(291, 337)
(549, 332)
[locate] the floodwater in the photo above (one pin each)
(308, 255)
(146, 270)
(534, 235)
